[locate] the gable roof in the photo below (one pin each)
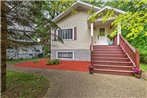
(108, 7)
(114, 9)
(74, 6)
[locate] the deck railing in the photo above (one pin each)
(130, 51)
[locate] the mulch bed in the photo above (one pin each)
(64, 65)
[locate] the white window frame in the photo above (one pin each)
(67, 28)
(65, 51)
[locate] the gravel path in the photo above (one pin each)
(71, 84)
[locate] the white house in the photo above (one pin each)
(77, 32)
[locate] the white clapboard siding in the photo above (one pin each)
(78, 20)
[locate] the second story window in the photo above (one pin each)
(66, 33)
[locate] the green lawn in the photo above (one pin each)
(144, 67)
(24, 85)
(18, 60)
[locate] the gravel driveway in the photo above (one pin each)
(72, 84)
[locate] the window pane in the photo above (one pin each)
(102, 31)
(59, 54)
(65, 54)
(65, 33)
(70, 33)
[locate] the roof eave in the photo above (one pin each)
(73, 6)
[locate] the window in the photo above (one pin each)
(66, 33)
(66, 55)
(102, 31)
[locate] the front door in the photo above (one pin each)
(102, 37)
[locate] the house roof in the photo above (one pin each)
(75, 6)
(108, 7)
(114, 9)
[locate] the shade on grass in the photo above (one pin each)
(24, 85)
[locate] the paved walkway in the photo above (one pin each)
(71, 84)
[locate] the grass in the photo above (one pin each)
(144, 66)
(35, 60)
(25, 85)
(18, 60)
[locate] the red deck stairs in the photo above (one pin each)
(111, 60)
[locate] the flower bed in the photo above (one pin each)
(64, 65)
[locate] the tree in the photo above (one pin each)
(54, 8)
(3, 45)
(23, 20)
(28, 20)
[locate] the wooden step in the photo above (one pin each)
(114, 72)
(114, 67)
(106, 45)
(108, 52)
(110, 59)
(109, 55)
(113, 63)
(106, 48)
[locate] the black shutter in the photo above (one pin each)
(55, 35)
(75, 33)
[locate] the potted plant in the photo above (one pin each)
(110, 42)
(137, 72)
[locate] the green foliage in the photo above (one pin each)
(54, 7)
(143, 54)
(143, 66)
(112, 35)
(35, 60)
(53, 62)
(105, 15)
(135, 23)
(74, 12)
(23, 85)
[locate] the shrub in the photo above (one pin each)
(143, 58)
(35, 61)
(53, 61)
(143, 54)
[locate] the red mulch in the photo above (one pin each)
(64, 65)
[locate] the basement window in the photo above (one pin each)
(65, 55)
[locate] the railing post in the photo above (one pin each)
(137, 59)
(91, 49)
(119, 33)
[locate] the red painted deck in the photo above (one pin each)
(64, 65)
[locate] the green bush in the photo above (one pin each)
(143, 58)
(35, 61)
(53, 61)
(143, 54)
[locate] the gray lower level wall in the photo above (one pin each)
(79, 54)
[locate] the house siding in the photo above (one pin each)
(79, 54)
(78, 20)
(80, 46)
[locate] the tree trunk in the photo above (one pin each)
(4, 33)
